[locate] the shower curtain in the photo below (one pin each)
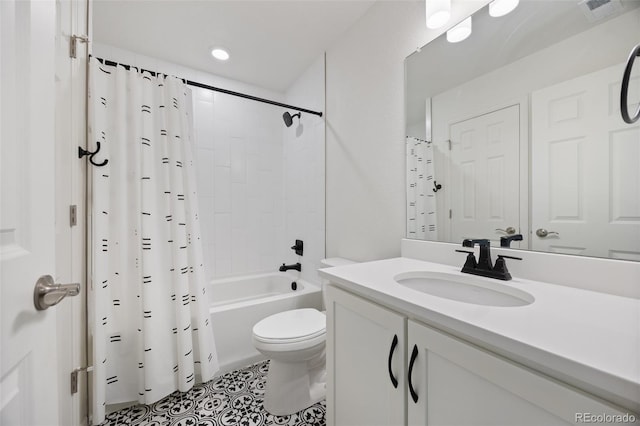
(421, 200)
(148, 309)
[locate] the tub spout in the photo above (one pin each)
(297, 267)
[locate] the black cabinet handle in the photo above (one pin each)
(414, 355)
(624, 107)
(394, 343)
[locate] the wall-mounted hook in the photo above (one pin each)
(437, 186)
(82, 152)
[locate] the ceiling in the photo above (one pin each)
(271, 43)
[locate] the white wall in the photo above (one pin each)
(304, 172)
(366, 127)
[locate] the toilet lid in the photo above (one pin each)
(297, 324)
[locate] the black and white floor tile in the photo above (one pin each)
(234, 398)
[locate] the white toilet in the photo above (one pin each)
(294, 342)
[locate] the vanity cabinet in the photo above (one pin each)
(442, 380)
(366, 359)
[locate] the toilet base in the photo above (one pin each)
(294, 386)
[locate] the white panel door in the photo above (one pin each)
(585, 167)
(28, 367)
(365, 354)
(485, 158)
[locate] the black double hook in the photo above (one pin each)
(82, 152)
(437, 186)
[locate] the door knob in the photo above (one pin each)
(542, 233)
(47, 293)
(509, 231)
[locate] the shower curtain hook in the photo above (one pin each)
(82, 152)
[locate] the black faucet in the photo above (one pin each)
(483, 266)
(484, 261)
(506, 241)
(297, 267)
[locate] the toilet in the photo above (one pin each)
(294, 342)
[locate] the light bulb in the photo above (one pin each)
(460, 31)
(502, 7)
(438, 13)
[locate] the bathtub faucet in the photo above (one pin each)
(297, 267)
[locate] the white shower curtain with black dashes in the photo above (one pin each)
(148, 308)
(421, 199)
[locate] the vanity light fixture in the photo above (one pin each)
(220, 54)
(438, 13)
(502, 7)
(460, 31)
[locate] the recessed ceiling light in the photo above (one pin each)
(220, 54)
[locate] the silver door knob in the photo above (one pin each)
(509, 231)
(47, 293)
(542, 233)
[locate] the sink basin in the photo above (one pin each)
(462, 288)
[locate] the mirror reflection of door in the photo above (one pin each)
(484, 169)
(586, 177)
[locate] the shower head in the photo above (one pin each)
(288, 118)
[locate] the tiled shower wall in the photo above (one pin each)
(240, 183)
(304, 172)
(260, 184)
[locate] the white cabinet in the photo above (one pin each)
(366, 375)
(457, 383)
(442, 380)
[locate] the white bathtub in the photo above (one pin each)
(236, 304)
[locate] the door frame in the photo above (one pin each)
(70, 189)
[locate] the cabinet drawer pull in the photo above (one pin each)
(394, 343)
(414, 355)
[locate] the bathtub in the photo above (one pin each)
(236, 304)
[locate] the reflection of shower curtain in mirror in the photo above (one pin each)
(421, 199)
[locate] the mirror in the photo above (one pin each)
(517, 130)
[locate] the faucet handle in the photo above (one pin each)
(500, 256)
(470, 263)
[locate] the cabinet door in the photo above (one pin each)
(457, 383)
(363, 362)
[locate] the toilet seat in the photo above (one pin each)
(298, 325)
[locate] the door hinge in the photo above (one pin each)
(74, 377)
(450, 213)
(449, 142)
(73, 215)
(73, 44)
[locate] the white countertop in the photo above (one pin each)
(588, 339)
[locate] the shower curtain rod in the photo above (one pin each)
(215, 89)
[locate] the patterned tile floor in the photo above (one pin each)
(234, 398)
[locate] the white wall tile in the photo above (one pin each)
(222, 189)
(204, 171)
(222, 244)
(239, 206)
(238, 160)
(239, 252)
